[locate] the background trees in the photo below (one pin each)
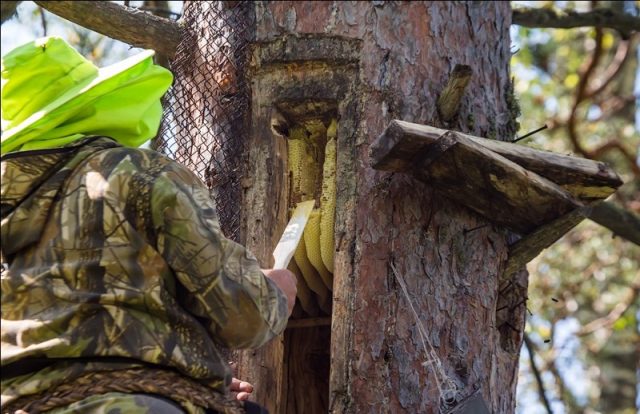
(583, 292)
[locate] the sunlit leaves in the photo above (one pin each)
(589, 273)
(571, 80)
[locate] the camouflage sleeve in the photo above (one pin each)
(222, 282)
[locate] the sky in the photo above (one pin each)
(16, 32)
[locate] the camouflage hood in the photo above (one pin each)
(28, 189)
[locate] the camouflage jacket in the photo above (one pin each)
(116, 252)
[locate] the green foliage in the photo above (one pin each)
(592, 276)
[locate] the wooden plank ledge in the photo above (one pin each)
(530, 246)
(468, 172)
(538, 194)
(585, 179)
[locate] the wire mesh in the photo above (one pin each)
(205, 116)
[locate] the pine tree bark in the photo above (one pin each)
(450, 259)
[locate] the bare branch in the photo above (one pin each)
(621, 222)
(589, 68)
(449, 100)
(607, 321)
(536, 374)
(612, 144)
(584, 75)
(7, 9)
(613, 69)
(565, 394)
(602, 18)
(129, 25)
(582, 94)
(43, 21)
(158, 8)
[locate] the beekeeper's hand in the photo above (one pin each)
(286, 281)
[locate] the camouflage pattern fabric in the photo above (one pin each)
(117, 252)
(119, 403)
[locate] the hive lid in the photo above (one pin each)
(535, 193)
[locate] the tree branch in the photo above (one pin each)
(603, 18)
(614, 68)
(582, 94)
(158, 8)
(590, 67)
(565, 394)
(536, 374)
(612, 144)
(7, 9)
(141, 29)
(127, 24)
(621, 222)
(43, 21)
(449, 100)
(584, 76)
(607, 321)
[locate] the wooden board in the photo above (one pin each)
(585, 179)
(527, 248)
(468, 172)
(300, 77)
(307, 362)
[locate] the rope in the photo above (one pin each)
(447, 389)
(148, 381)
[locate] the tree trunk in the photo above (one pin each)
(159, 8)
(364, 64)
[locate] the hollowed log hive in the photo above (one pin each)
(358, 66)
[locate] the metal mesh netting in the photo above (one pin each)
(204, 124)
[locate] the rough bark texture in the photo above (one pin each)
(450, 258)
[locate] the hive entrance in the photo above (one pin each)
(309, 129)
(311, 158)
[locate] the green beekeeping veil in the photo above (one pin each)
(52, 96)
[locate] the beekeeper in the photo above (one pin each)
(118, 287)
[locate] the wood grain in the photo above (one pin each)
(468, 172)
(585, 179)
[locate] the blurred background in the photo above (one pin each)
(583, 329)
